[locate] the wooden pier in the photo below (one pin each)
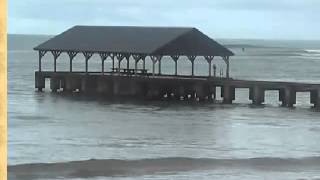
(172, 87)
(136, 44)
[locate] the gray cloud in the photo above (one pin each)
(227, 18)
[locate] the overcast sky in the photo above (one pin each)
(268, 19)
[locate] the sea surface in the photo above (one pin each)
(94, 138)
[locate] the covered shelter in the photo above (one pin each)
(123, 42)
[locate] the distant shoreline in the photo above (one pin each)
(235, 39)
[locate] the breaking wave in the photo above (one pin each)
(313, 51)
(115, 167)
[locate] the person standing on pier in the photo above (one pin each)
(214, 70)
(221, 72)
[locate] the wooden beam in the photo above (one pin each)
(209, 60)
(112, 55)
(87, 56)
(55, 54)
(41, 54)
(128, 60)
(154, 61)
(71, 54)
(136, 58)
(103, 57)
(119, 58)
(175, 59)
(192, 58)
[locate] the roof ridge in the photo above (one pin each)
(209, 38)
(173, 39)
(137, 26)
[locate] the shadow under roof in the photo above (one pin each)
(162, 41)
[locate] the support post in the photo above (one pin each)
(119, 65)
(39, 81)
(70, 64)
(71, 54)
(54, 84)
(153, 67)
(40, 61)
(192, 58)
(209, 68)
(228, 94)
(103, 57)
(290, 96)
(175, 68)
(136, 58)
(159, 68)
(55, 65)
(41, 54)
(128, 58)
(209, 60)
(87, 65)
(315, 98)
(175, 59)
(282, 97)
(120, 58)
(144, 63)
(257, 95)
(214, 91)
(135, 66)
(112, 57)
(192, 72)
(226, 60)
(55, 54)
(154, 61)
(199, 91)
(102, 66)
(87, 56)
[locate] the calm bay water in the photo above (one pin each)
(51, 128)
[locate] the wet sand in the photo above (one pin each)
(113, 167)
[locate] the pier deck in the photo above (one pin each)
(200, 88)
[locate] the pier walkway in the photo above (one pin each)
(200, 88)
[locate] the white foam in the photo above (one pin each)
(311, 53)
(316, 51)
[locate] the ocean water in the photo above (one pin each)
(91, 138)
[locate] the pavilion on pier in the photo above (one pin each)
(132, 43)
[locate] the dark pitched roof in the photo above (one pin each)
(136, 40)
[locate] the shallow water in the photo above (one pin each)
(50, 128)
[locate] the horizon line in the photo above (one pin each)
(268, 39)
